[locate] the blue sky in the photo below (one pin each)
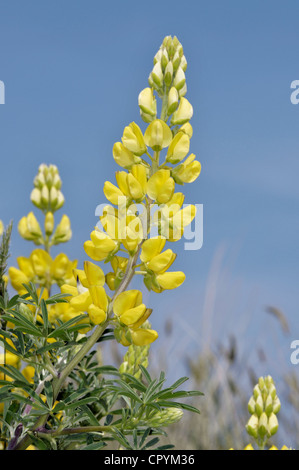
(73, 71)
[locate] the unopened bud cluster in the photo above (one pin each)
(263, 407)
(169, 80)
(169, 67)
(46, 194)
(165, 417)
(48, 197)
(135, 357)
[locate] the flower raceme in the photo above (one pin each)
(142, 201)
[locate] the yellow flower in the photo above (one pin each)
(29, 228)
(178, 148)
(89, 296)
(1, 228)
(100, 245)
(183, 114)
(158, 135)
(147, 102)
(160, 186)
(132, 313)
(188, 171)
(174, 221)
(137, 182)
(153, 258)
(128, 307)
(123, 156)
(133, 140)
(158, 263)
(63, 232)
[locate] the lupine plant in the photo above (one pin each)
(55, 392)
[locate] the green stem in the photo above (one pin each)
(164, 105)
(79, 430)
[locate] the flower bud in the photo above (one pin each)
(35, 198)
(157, 75)
(263, 425)
(173, 100)
(251, 406)
(179, 79)
(49, 223)
(168, 74)
(259, 406)
(45, 196)
(176, 61)
(272, 424)
(26, 312)
(63, 232)
(252, 426)
(268, 405)
(164, 58)
(147, 102)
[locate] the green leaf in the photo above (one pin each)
(13, 373)
(45, 315)
(183, 406)
(48, 388)
(145, 373)
(94, 446)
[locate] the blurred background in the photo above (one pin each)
(72, 72)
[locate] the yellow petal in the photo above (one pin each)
(133, 315)
(96, 314)
(99, 297)
(94, 274)
(81, 301)
(112, 193)
(171, 280)
(142, 336)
